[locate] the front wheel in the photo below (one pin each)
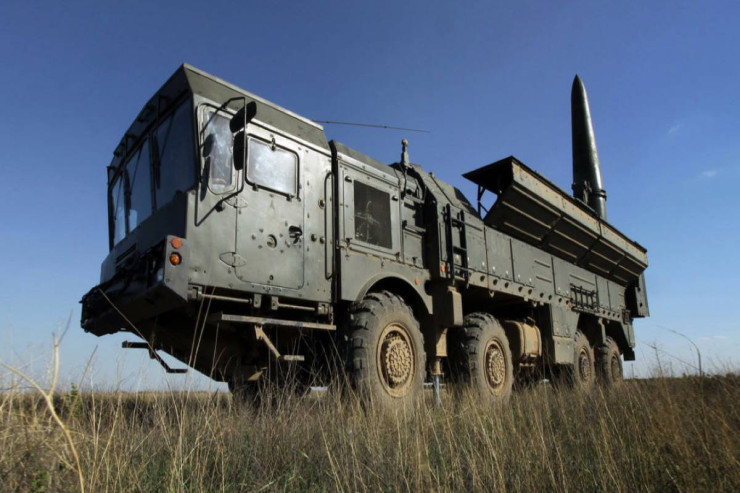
(482, 359)
(385, 351)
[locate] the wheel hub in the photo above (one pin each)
(396, 360)
(495, 362)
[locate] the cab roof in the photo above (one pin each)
(188, 81)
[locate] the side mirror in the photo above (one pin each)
(243, 116)
(238, 126)
(240, 150)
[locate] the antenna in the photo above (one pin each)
(372, 125)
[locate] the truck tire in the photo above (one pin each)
(385, 356)
(482, 358)
(609, 363)
(581, 375)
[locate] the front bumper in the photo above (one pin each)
(105, 311)
(143, 288)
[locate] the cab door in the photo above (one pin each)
(270, 223)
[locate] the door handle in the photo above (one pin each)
(295, 233)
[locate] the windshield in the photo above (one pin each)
(140, 187)
(174, 141)
(153, 174)
(119, 212)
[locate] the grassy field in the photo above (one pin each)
(669, 434)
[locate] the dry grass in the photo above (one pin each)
(678, 434)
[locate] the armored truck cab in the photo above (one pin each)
(245, 244)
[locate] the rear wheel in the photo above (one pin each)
(582, 373)
(482, 359)
(609, 363)
(385, 351)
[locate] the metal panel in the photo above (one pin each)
(581, 278)
(498, 247)
(564, 321)
(603, 288)
(636, 297)
(412, 222)
(476, 246)
(616, 296)
(561, 269)
(544, 279)
(413, 251)
(523, 255)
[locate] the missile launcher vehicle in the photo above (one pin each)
(254, 250)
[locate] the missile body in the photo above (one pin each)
(587, 185)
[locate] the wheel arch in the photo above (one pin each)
(616, 331)
(589, 326)
(597, 330)
(419, 302)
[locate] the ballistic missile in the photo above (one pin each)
(587, 185)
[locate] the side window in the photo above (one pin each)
(372, 215)
(272, 167)
(218, 152)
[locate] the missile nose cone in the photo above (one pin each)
(586, 168)
(578, 92)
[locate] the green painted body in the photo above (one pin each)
(307, 227)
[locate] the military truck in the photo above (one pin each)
(245, 244)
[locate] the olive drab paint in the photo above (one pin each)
(243, 242)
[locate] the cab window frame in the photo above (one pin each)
(349, 175)
(203, 123)
(295, 193)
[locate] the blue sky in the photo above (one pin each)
(488, 79)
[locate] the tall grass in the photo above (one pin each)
(667, 434)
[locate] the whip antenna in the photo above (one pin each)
(372, 125)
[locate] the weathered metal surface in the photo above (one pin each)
(291, 233)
